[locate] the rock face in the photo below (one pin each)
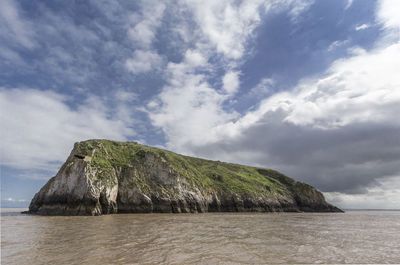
(105, 177)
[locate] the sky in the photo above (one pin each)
(309, 88)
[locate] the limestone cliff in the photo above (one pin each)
(103, 177)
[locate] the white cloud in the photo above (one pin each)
(41, 128)
(125, 96)
(146, 24)
(67, 52)
(385, 195)
(294, 7)
(231, 82)
(14, 26)
(143, 61)
(264, 86)
(361, 27)
(359, 90)
(298, 6)
(338, 131)
(348, 5)
(356, 50)
(336, 44)
(362, 88)
(194, 58)
(225, 24)
(388, 14)
(143, 33)
(189, 109)
(11, 57)
(15, 200)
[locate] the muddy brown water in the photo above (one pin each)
(210, 238)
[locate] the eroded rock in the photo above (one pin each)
(105, 177)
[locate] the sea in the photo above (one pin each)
(353, 237)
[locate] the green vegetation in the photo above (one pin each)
(205, 174)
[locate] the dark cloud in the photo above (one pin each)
(346, 159)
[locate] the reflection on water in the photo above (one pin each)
(212, 238)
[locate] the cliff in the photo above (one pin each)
(104, 177)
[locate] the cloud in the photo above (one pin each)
(226, 25)
(66, 50)
(385, 195)
(351, 91)
(362, 27)
(8, 202)
(13, 26)
(263, 87)
(387, 14)
(189, 107)
(15, 200)
(143, 61)
(358, 89)
(348, 5)
(125, 96)
(338, 131)
(42, 127)
(294, 8)
(11, 57)
(13, 203)
(336, 44)
(231, 82)
(56, 47)
(194, 58)
(143, 32)
(187, 104)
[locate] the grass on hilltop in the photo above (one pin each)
(202, 173)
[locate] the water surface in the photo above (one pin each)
(211, 238)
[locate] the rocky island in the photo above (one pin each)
(106, 177)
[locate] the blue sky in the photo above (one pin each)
(309, 88)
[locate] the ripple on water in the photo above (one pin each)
(352, 237)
